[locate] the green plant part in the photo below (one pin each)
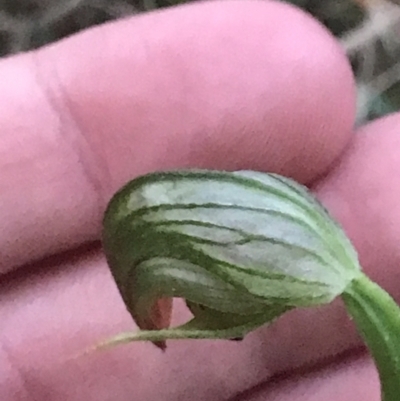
(242, 248)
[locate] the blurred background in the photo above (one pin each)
(368, 29)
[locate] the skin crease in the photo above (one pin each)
(254, 93)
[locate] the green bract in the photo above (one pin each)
(241, 248)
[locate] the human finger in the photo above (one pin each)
(51, 315)
(229, 85)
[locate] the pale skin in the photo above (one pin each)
(230, 85)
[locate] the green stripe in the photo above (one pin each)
(325, 223)
(248, 238)
(289, 300)
(140, 213)
(245, 181)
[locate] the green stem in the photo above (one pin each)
(377, 317)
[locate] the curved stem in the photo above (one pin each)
(377, 317)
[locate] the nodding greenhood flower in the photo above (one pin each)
(242, 248)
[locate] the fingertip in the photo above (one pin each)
(224, 84)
